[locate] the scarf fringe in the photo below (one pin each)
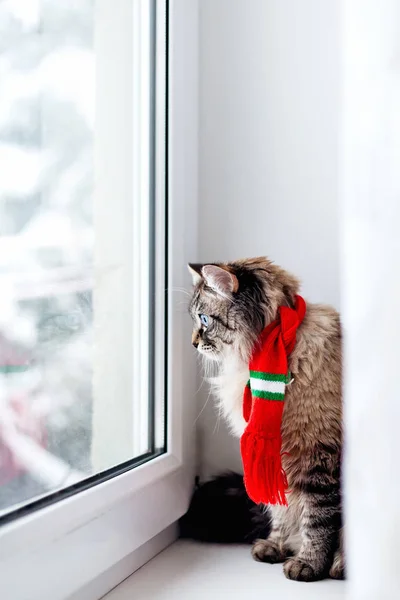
(264, 477)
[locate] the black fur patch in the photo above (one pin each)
(222, 512)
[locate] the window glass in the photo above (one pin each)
(76, 267)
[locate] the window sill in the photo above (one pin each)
(97, 530)
(192, 571)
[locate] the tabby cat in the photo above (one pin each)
(231, 305)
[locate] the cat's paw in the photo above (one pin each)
(268, 551)
(337, 570)
(299, 570)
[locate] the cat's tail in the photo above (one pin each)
(221, 512)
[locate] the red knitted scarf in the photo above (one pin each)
(263, 404)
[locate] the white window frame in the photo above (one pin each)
(82, 546)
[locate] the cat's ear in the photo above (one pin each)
(220, 280)
(195, 271)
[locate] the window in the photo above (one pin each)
(138, 463)
(77, 328)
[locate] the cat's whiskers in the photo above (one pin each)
(179, 290)
(204, 406)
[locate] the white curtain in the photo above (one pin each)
(371, 294)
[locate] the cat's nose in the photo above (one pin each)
(196, 338)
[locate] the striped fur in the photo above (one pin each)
(306, 534)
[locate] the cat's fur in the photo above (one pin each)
(240, 299)
(221, 512)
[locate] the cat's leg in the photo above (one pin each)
(337, 570)
(275, 548)
(320, 522)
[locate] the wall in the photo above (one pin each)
(269, 112)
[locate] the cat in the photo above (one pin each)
(230, 306)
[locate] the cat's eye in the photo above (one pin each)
(204, 320)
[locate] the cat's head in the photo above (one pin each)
(233, 302)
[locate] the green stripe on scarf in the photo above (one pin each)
(267, 395)
(271, 376)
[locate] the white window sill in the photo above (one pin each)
(192, 571)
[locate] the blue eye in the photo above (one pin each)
(204, 320)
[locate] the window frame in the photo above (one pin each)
(85, 544)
